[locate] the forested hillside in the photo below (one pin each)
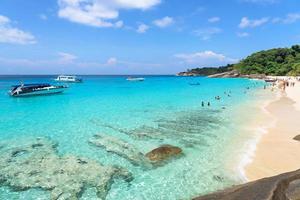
(280, 61)
(277, 62)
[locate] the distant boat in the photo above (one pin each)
(35, 89)
(135, 79)
(270, 80)
(70, 79)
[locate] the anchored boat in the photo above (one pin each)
(36, 89)
(71, 79)
(270, 80)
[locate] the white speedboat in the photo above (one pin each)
(71, 79)
(135, 79)
(35, 89)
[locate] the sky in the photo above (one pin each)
(139, 36)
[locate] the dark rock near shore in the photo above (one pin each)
(163, 152)
(297, 138)
(282, 187)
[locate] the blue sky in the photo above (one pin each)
(139, 36)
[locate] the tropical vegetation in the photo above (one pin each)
(277, 62)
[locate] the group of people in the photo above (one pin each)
(282, 84)
(218, 98)
(203, 104)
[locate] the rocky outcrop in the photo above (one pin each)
(121, 148)
(187, 74)
(163, 153)
(282, 187)
(230, 74)
(255, 76)
(36, 164)
(297, 138)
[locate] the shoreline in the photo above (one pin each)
(256, 127)
(275, 151)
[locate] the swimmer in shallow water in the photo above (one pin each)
(202, 104)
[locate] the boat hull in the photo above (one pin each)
(270, 81)
(135, 79)
(49, 91)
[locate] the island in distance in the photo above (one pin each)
(273, 62)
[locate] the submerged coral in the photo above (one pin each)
(121, 148)
(186, 127)
(36, 164)
(156, 157)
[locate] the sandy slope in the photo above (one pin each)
(277, 152)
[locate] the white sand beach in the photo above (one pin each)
(277, 152)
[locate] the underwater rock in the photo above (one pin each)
(121, 148)
(163, 153)
(188, 128)
(36, 164)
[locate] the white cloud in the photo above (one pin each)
(66, 57)
(243, 34)
(207, 33)
(43, 16)
(112, 61)
(4, 20)
(99, 13)
(56, 66)
(247, 23)
(205, 58)
(288, 19)
(214, 19)
(142, 28)
(164, 22)
(10, 34)
(119, 24)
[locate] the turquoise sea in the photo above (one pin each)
(160, 110)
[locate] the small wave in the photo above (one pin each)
(249, 154)
(251, 145)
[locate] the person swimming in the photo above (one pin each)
(202, 104)
(208, 104)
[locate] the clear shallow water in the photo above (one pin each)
(166, 109)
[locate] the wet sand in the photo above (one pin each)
(277, 152)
